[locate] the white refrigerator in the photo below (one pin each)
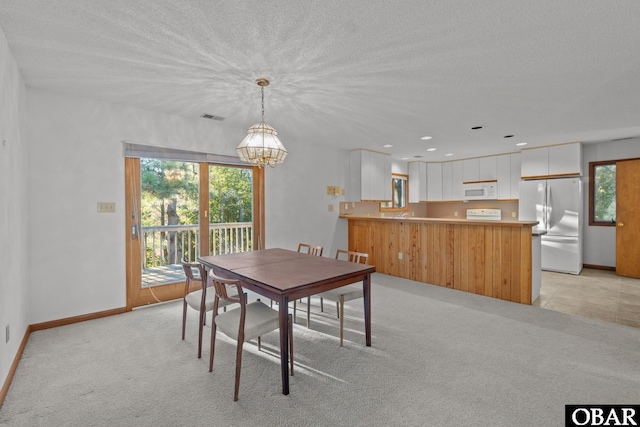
(557, 206)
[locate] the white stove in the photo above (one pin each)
(484, 214)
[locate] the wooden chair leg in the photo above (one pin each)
(338, 309)
(341, 319)
(184, 317)
(308, 311)
(291, 344)
(294, 310)
(203, 315)
(238, 366)
(321, 305)
(213, 344)
(258, 343)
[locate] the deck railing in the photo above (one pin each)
(167, 244)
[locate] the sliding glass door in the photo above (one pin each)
(166, 203)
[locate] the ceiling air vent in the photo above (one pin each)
(212, 117)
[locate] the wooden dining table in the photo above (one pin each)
(283, 275)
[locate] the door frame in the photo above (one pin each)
(138, 296)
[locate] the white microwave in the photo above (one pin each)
(480, 190)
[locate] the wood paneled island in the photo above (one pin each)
(498, 259)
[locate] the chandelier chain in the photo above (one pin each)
(262, 90)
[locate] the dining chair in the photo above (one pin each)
(344, 293)
(196, 297)
(304, 248)
(315, 250)
(242, 324)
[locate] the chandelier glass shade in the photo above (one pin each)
(261, 146)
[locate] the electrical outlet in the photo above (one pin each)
(513, 214)
(106, 207)
(346, 206)
(455, 214)
(8, 333)
(399, 255)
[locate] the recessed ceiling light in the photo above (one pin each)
(431, 149)
(476, 127)
(448, 155)
(508, 136)
(519, 144)
(404, 158)
(426, 137)
(388, 145)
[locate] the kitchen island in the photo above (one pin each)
(499, 259)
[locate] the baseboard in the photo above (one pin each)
(76, 319)
(47, 325)
(14, 366)
(599, 267)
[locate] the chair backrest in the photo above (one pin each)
(220, 285)
(352, 256)
(310, 249)
(189, 268)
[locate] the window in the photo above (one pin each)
(399, 191)
(602, 193)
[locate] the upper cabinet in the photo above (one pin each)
(552, 161)
(480, 169)
(447, 180)
(434, 182)
(457, 172)
(417, 182)
(425, 182)
(369, 176)
(508, 175)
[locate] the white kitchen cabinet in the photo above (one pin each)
(515, 175)
(508, 175)
(554, 160)
(487, 168)
(535, 162)
(565, 159)
(480, 169)
(504, 176)
(447, 181)
(417, 182)
(434, 182)
(369, 176)
(470, 170)
(457, 178)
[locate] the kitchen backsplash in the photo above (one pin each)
(457, 209)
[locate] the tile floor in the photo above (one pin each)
(597, 294)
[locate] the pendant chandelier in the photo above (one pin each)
(261, 146)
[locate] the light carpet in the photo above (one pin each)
(439, 358)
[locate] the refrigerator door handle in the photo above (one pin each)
(547, 204)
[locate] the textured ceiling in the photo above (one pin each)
(353, 74)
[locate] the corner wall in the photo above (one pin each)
(14, 263)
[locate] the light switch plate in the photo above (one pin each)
(106, 207)
(331, 208)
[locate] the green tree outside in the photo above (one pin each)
(605, 193)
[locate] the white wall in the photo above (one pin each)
(599, 244)
(297, 203)
(14, 265)
(77, 256)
